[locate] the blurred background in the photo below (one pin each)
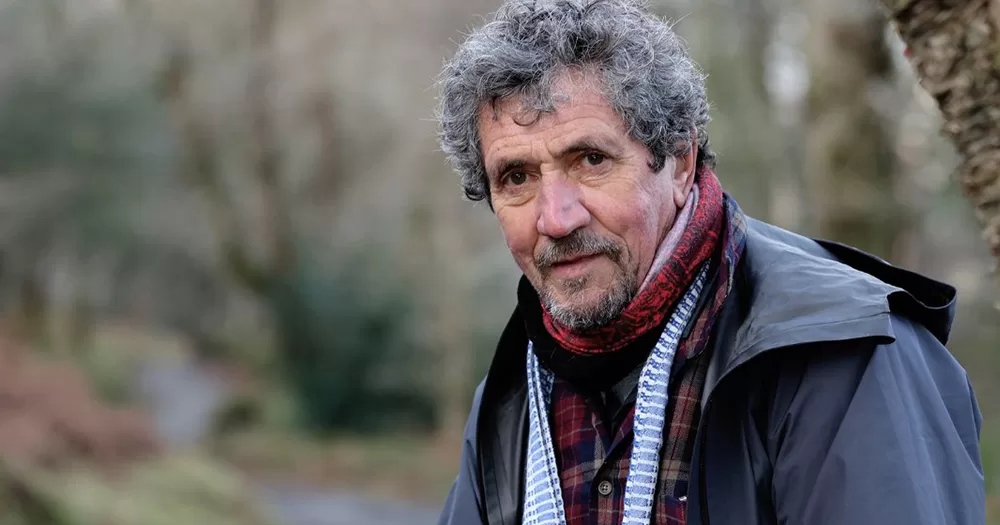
(238, 283)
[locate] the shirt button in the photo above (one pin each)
(604, 488)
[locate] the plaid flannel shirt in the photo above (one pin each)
(592, 460)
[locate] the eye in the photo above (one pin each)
(517, 178)
(595, 159)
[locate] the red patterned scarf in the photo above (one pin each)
(655, 301)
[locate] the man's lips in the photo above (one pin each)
(573, 266)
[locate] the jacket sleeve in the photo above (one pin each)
(464, 502)
(884, 435)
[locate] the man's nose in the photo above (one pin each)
(562, 211)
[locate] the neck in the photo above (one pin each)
(673, 236)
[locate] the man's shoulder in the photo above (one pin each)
(913, 373)
(881, 411)
(910, 346)
(800, 290)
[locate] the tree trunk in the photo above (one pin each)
(763, 154)
(452, 322)
(54, 20)
(265, 146)
(780, 189)
(204, 172)
(436, 242)
(955, 49)
(850, 162)
(32, 316)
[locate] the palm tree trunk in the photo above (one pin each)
(955, 49)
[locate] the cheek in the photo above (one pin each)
(520, 234)
(626, 213)
(640, 232)
(636, 221)
(653, 223)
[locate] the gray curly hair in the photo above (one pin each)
(648, 77)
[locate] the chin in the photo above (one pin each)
(585, 310)
(578, 296)
(581, 317)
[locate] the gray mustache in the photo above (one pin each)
(580, 243)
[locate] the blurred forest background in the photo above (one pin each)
(238, 283)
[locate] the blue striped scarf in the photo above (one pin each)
(543, 503)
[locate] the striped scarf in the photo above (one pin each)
(543, 502)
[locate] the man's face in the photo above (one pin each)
(579, 206)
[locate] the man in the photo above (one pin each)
(671, 360)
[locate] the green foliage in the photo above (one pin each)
(86, 160)
(349, 349)
(109, 373)
(169, 490)
(23, 501)
(990, 449)
(50, 120)
(81, 135)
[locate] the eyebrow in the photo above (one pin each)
(590, 143)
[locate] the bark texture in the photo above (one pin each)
(954, 46)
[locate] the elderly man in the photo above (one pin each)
(671, 360)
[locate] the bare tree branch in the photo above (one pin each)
(204, 170)
(265, 145)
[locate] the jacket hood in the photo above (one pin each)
(801, 290)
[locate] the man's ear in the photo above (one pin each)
(685, 167)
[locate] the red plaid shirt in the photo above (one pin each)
(593, 458)
(590, 456)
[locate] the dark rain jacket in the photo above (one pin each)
(830, 400)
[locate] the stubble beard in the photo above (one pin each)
(583, 318)
(612, 302)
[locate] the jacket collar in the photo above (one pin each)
(793, 290)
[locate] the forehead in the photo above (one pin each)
(581, 111)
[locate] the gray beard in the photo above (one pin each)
(612, 304)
